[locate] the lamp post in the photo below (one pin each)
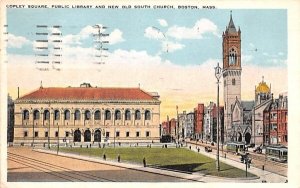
(218, 74)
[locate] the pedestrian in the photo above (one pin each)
(119, 158)
(90, 145)
(198, 149)
(144, 162)
(190, 147)
(104, 157)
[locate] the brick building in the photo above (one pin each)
(275, 120)
(199, 121)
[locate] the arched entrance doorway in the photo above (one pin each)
(240, 137)
(77, 136)
(97, 136)
(247, 138)
(87, 136)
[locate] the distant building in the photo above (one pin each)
(10, 119)
(87, 114)
(214, 115)
(199, 121)
(182, 117)
(208, 121)
(189, 130)
(165, 128)
(173, 129)
(263, 98)
(276, 121)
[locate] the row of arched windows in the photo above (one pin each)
(87, 115)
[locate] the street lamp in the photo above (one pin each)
(218, 74)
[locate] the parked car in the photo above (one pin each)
(208, 149)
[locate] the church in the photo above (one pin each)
(88, 115)
(231, 78)
(243, 120)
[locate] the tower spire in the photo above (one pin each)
(231, 27)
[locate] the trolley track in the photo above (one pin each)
(56, 170)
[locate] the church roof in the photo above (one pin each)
(231, 28)
(247, 105)
(92, 93)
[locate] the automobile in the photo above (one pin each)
(208, 149)
(257, 150)
(246, 157)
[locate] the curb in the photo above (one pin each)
(148, 169)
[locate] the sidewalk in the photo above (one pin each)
(198, 177)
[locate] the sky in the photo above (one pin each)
(170, 51)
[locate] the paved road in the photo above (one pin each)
(25, 165)
(257, 160)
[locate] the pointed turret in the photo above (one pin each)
(231, 28)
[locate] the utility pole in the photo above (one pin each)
(218, 74)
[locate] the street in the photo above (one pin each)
(25, 165)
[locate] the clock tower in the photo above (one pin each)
(231, 74)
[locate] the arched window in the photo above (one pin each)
(233, 81)
(56, 115)
(87, 115)
(97, 115)
(117, 115)
(147, 115)
(232, 56)
(36, 115)
(25, 114)
(46, 115)
(107, 115)
(67, 114)
(77, 115)
(127, 115)
(137, 115)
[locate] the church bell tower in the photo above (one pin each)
(231, 74)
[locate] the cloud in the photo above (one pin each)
(168, 46)
(184, 86)
(277, 62)
(246, 58)
(162, 22)
(200, 28)
(116, 36)
(153, 33)
(17, 41)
